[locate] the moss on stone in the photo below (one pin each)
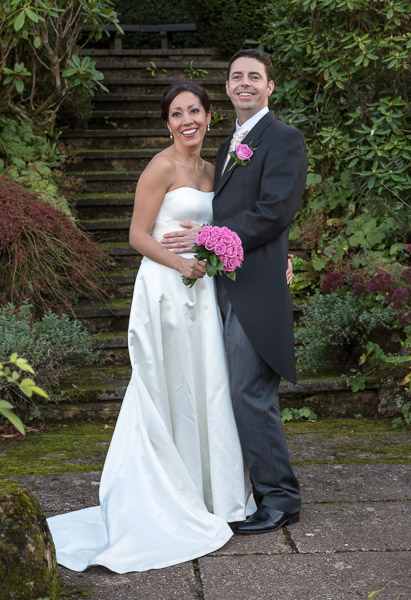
(28, 566)
(82, 447)
(341, 427)
(74, 448)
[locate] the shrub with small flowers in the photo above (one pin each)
(351, 312)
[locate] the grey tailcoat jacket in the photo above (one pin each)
(259, 201)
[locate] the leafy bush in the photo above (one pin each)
(298, 414)
(43, 256)
(10, 372)
(341, 74)
(39, 61)
(53, 346)
(337, 325)
(28, 157)
(226, 24)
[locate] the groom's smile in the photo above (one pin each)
(248, 87)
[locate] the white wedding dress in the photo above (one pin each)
(174, 473)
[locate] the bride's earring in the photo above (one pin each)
(171, 135)
(208, 126)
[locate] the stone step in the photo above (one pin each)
(133, 119)
(114, 315)
(107, 229)
(123, 255)
(104, 317)
(98, 393)
(121, 284)
(181, 69)
(112, 139)
(104, 206)
(158, 85)
(110, 182)
(123, 160)
(148, 101)
(113, 348)
(177, 55)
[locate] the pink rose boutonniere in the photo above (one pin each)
(242, 155)
(221, 248)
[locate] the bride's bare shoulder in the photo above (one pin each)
(161, 168)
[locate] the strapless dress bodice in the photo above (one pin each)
(182, 204)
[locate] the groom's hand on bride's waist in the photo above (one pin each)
(183, 240)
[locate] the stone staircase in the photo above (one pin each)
(124, 133)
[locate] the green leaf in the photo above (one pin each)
(15, 376)
(357, 383)
(14, 419)
(286, 415)
(5, 404)
(313, 179)
(37, 42)
(19, 21)
(19, 85)
(213, 259)
(32, 16)
(231, 275)
(210, 270)
(396, 359)
(24, 366)
(13, 357)
(39, 391)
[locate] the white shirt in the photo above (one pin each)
(242, 131)
(248, 125)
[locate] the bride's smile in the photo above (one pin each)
(187, 120)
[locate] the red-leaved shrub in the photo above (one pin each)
(43, 256)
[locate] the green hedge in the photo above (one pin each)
(342, 77)
(153, 13)
(227, 24)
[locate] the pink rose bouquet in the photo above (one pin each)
(221, 248)
(242, 155)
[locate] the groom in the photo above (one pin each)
(258, 200)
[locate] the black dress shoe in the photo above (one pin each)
(266, 519)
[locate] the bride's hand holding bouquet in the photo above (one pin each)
(222, 250)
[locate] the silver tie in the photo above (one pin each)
(237, 138)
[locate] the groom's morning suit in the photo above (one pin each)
(259, 201)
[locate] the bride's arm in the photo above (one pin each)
(153, 184)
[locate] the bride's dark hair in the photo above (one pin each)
(183, 86)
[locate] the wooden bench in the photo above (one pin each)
(165, 30)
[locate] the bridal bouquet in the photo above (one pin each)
(221, 248)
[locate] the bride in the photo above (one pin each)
(174, 475)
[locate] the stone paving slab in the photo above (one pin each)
(319, 483)
(375, 526)
(64, 493)
(354, 482)
(270, 543)
(306, 577)
(172, 583)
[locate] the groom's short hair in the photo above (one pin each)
(258, 55)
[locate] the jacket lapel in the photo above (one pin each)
(253, 136)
